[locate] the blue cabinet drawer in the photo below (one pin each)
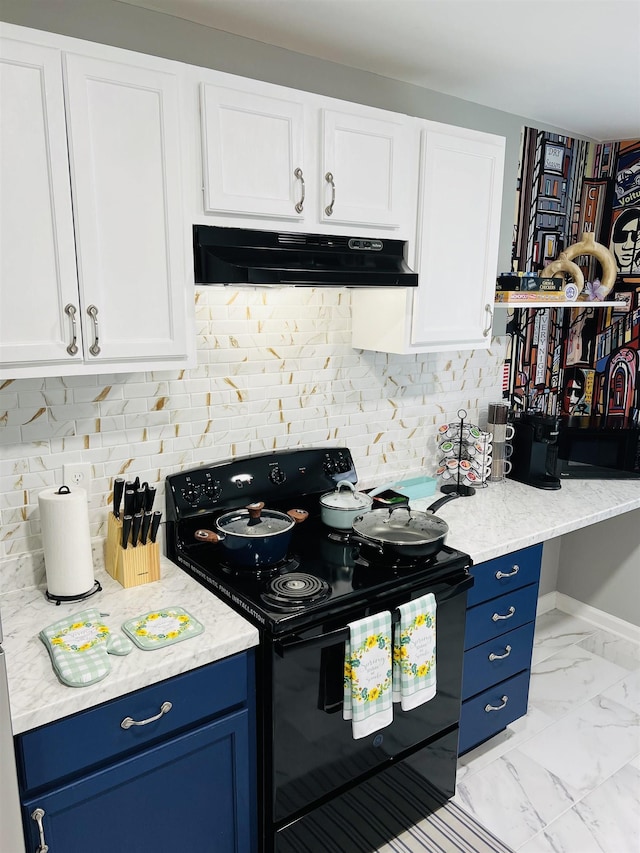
(512, 571)
(491, 711)
(95, 736)
(497, 659)
(489, 620)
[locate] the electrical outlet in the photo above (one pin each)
(78, 474)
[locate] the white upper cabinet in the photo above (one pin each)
(304, 161)
(115, 298)
(362, 169)
(460, 201)
(253, 153)
(37, 250)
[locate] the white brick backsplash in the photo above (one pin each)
(275, 370)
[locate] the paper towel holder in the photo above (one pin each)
(58, 599)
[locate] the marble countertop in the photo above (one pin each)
(36, 695)
(507, 516)
(503, 517)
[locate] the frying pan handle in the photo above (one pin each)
(442, 501)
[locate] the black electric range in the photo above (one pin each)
(308, 762)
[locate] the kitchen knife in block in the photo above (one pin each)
(155, 524)
(127, 521)
(146, 524)
(135, 529)
(118, 491)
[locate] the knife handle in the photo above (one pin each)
(118, 491)
(155, 524)
(135, 530)
(146, 524)
(140, 499)
(149, 498)
(129, 501)
(126, 530)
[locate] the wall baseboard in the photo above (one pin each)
(604, 621)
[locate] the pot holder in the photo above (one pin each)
(79, 647)
(162, 628)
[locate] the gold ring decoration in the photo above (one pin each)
(586, 246)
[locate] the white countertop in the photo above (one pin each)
(36, 695)
(502, 518)
(508, 516)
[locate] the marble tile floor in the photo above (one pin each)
(565, 778)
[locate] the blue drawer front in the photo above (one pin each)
(512, 653)
(519, 569)
(478, 720)
(94, 736)
(493, 618)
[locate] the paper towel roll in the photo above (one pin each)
(64, 519)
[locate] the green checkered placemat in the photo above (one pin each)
(162, 628)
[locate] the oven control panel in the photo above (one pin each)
(286, 474)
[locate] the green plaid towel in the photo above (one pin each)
(414, 653)
(367, 674)
(79, 646)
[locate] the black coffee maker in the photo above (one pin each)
(535, 451)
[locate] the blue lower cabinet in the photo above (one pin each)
(491, 711)
(187, 781)
(499, 636)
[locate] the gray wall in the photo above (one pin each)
(119, 24)
(600, 566)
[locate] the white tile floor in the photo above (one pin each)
(565, 778)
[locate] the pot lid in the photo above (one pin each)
(346, 497)
(400, 526)
(255, 521)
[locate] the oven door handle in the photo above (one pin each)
(443, 592)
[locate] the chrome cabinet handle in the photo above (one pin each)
(70, 311)
(129, 721)
(37, 815)
(497, 617)
(507, 652)
(92, 311)
(511, 574)
(329, 179)
(300, 205)
(503, 699)
(488, 309)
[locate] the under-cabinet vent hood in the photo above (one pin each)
(241, 256)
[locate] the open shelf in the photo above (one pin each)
(554, 303)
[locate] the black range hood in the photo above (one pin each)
(242, 256)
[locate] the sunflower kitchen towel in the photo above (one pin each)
(414, 653)
(367, 674)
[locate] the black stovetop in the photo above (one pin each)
(323, 576)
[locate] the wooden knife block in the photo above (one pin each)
(130, 566)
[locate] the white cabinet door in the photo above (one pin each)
(458, 235)
(456, 250)
(37, 252)
(252, 149)
(362, 167)
(123, 127)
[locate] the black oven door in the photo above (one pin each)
(308, 749)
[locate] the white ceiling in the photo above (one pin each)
(574, 64)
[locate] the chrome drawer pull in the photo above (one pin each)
(511, 574)
(37, 815)
(504, 701)
(507, 652)
(300, 205)
(129, 721)
(497, 617)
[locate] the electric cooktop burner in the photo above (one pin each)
(289, 564)
(295, 589)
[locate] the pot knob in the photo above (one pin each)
(254, 510)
